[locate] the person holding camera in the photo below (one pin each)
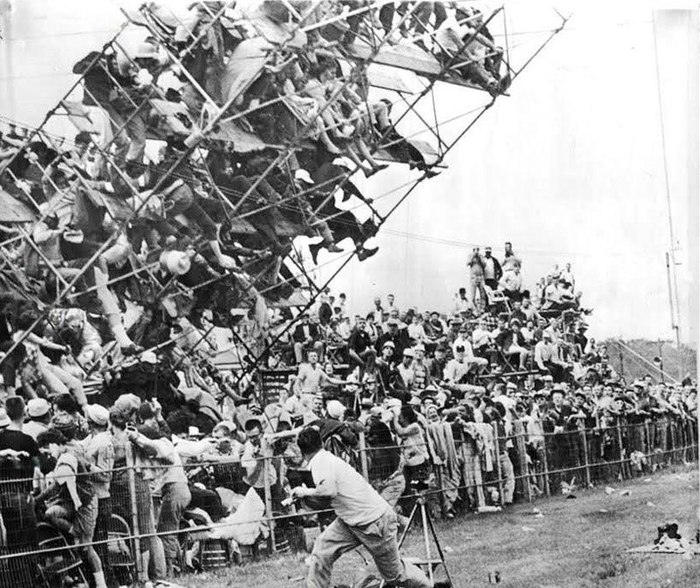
(363, 518)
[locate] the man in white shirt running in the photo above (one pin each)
(364, 518)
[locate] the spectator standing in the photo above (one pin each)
(475, 263)
(19, 465)
(492, 269)
(39, 417)
(170, 482)
(100, 453)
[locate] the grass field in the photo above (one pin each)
(577, 543)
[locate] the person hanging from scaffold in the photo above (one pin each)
(363, 518)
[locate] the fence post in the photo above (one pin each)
(498, 465)
(524, 468)
(545, 462)
(363, 456)
(674, 449)
(266, 453)
(586, 462)
(621, 448)
(131, 477)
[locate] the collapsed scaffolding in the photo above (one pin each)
(242, 144)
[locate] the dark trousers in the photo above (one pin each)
(19, 519)
(104, 516)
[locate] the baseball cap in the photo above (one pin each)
(389, 344)
(408, 352)
(419, 347)
(548, 378)
(37, 407)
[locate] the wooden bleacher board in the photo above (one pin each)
(382, 76)
(79, 115)
(170, 111)
(13, 210)
(243, 141)
(273, 382)
(430, 154)
(407, 58)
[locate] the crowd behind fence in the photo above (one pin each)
(226, 519)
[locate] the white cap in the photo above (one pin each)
(303, 176)
(335, 409)
(344, 162)
(97, 414)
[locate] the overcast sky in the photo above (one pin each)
(568, 168)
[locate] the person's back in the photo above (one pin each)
(355, 502)
(17, 474)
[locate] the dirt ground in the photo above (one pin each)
(574, 543)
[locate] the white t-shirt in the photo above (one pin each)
(356, 503)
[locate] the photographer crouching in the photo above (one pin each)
(364, 518)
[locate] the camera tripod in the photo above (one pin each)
(430, 563)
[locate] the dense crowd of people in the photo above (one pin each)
(498, 400)
(142, 252)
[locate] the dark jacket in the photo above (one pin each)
(298, 334)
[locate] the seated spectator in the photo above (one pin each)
(307, 337)
(547, 358)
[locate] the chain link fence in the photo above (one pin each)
(159, 519)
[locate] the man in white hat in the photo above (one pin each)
(39, 413)
(100, 453)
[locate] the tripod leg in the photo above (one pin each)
(408, 524)
(426, 539)
(439, 549)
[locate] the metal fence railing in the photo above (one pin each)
(159, 518)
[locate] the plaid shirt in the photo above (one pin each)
(490, 321)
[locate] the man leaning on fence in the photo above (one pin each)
(364, 518)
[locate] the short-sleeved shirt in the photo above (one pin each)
(414, 446)
(22, 470)
(356, 503)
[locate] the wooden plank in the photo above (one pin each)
(408, 58)
(382, 76)
(401, 56)
(243, 141)
(13, 210)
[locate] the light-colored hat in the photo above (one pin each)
(128, 403)
(97, 414)
(37, 407)
(303, 176)
(176, 262)
(419, 347)
(335, 409)
(344, 162)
